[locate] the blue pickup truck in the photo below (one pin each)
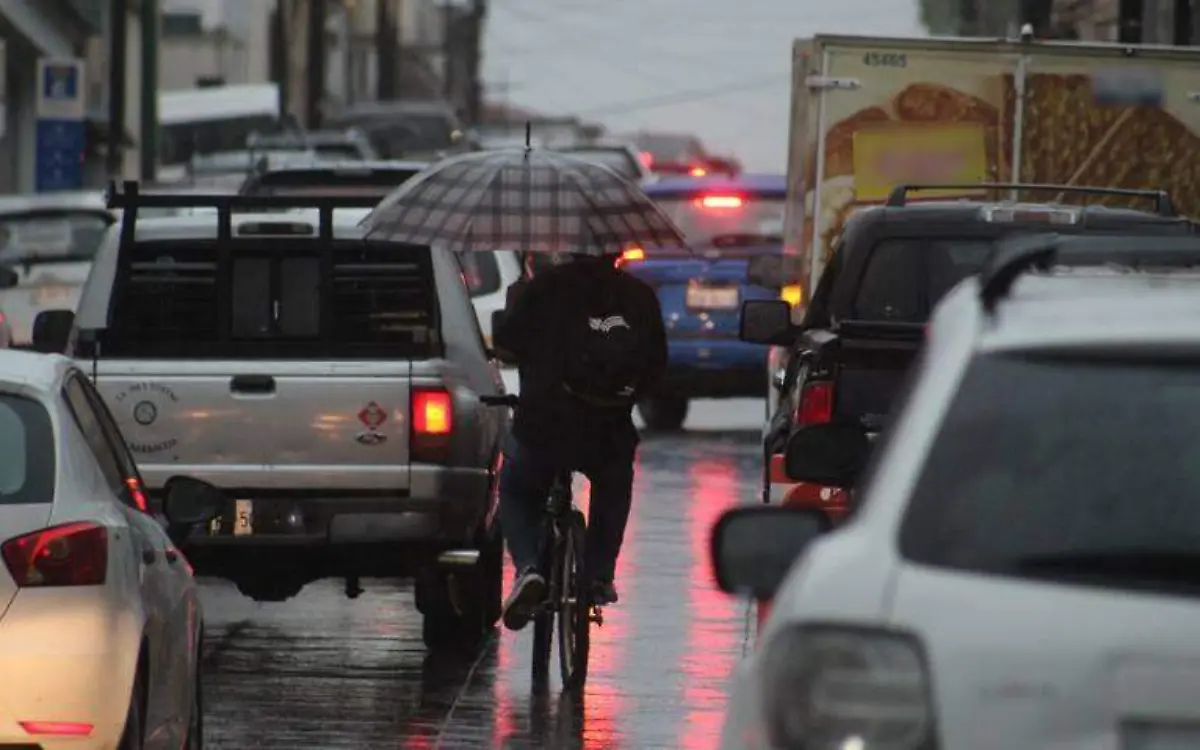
(730, 223)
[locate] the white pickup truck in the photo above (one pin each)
(329, 384)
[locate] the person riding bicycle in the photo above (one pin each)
(588, 340)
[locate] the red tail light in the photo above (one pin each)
(432, 425)
(816, 404)
(59, 728)
(721, 201)
(647, 159)
(632, 255)
(73, 554)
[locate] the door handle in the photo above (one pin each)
(252, 384)
(148, 556)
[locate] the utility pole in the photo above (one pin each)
(148, 142)
(118, 47)
(386, 50)
(315, 93)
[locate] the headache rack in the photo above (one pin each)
(1162, 200)
(1040, 252)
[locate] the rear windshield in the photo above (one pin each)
(371, 184)
(48, 237)
(1076, 461)
(727, 219)
(618, 161)
(27, 463)
(906, 277)
(375, 301)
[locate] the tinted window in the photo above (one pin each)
(481, 272)
(45, 237)
(1041, 458)
(27, 464)
(905, 278)
(376, 301)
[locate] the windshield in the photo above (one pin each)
(727, 219)
(618, 161)
(49, 238)
(1070, 459)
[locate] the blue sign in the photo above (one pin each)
(60, 82)
(59, 156)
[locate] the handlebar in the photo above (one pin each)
(508, 399)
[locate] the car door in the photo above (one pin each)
(180, 605)
(153, 582)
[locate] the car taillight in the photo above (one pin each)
(721, 202)
(792, 294)
(73, 554)
(647, 159)
(816, 404)
(698, 172)
(632, 255)
(432, 425)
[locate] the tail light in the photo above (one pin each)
(816, 404)
(698, 172)
(647, 159)
(57, 728)
(792, 294)
(632, 255)
(73, 554)
(721, 201)
(432, 425)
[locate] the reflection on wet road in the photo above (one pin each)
(322, 671)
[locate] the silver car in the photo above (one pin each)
(100, 625)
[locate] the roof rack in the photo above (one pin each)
(130, 198)
(1019, 255)
(1162, 200)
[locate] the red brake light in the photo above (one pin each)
(816, 404)
(73, 554)
(647, 159)
(59, 728)
(631, 255)
(698, 172)
(432, 424)
(721, 201)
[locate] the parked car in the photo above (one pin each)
(351, 441)
(1019, 570)
(732, 227)
(406, 128)
(100, 623)
(618, 156)
(330, 178)
(348, 144)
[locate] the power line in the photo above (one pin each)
(681, 97)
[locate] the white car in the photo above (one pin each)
(1022, 569)
(100, 625)
(5, 331)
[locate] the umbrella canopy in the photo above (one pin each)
(523, 199)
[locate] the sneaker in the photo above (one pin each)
(603, 592)
(527, 594)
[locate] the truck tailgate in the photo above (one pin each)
(341, 426)
(872, 361)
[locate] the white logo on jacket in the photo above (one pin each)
(607, 324)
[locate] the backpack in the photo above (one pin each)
(605, 348)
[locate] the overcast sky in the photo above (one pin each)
(718, 68)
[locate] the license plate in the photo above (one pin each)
(1150, 737)
(52, 295)
(243, 519)
(712, 298)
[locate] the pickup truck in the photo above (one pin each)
(329, 384)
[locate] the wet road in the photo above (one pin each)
(322, 671)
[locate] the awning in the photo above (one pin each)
(38, 23)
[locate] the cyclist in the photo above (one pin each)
(588, 339)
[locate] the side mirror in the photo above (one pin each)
(766, 321)
(832, 455)
(753, 547)
(52, 330)
(9, 277)
(188, 501)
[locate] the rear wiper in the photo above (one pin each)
(1182, 566)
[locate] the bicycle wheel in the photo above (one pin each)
(574, 609)
(543, 621)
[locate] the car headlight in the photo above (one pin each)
(845, 688)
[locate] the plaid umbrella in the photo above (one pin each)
(524, 199)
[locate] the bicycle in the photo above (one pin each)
(568, 589)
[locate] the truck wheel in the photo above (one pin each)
(663, 413)
(460, 607)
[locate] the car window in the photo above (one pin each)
(29, 463)
(727, 219)
(905, 278)
(1044, 457)
(93, 433)
(376, 301)
(481, 272)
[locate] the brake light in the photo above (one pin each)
(698, 172)
(632, 255)
(73, 554)
(134, 485)
(57, 728)
(721, 201)
(432, 424)
(647, 159)
(792, 294)
(816, 404)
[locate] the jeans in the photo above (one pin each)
(525, 480)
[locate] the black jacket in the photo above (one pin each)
(534, 333)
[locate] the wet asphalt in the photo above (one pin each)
(323, 671)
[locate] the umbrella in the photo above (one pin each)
(527, 199)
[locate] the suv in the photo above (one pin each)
(1025, 545)
(865, 321)
(329, 384)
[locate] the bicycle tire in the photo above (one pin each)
(543, 621)
(574, 610)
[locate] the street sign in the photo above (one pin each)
(61, 109)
